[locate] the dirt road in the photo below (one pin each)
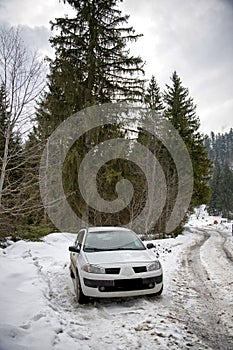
(203, 290)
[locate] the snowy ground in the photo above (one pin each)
(38, 308)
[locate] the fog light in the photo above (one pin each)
(102, 288)
(151, 285)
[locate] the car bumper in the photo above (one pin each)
(120, 287)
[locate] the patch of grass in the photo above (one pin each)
(34, 232)
(27, 232)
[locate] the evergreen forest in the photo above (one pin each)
(220, 151)
(92, 66)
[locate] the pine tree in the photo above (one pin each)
(220, 151)
(180, 109)
(153, 96)
(92, 65)
(226, 192)
(220, 148)
(221, 201)
(229, 148)
(152, 100)
(214, 205)
(181, 112)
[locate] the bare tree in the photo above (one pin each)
(22, 77)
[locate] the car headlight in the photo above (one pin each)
(154, 266)
(93, 268)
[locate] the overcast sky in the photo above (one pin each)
(193, 37)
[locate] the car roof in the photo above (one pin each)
(106, 228)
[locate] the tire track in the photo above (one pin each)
(228, 254)
(197, 296)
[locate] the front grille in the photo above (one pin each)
(128, 285)
(113, 270)
(138, 269)
(123, 284)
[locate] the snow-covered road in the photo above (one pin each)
(38, 308)
(203, 288)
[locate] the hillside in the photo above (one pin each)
(220, 148)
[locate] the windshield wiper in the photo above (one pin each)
(93, 249)
(122, 248)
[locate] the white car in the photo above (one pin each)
(111, 262)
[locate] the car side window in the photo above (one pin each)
(79, 238)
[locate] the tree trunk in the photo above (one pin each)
(4, 161)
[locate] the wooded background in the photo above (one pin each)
(93, 65)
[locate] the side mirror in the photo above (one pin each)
(150, 245)
(74, 249)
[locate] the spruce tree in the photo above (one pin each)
(92, 62)
(153, 96)
(220, 151)
(180, 109)
(226, 192)
(92, 65)
(229, 148)
(221, 201)
(215, 203)
(153, 100)
(220, 148)
(181, 112)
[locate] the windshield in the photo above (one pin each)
(112, 240)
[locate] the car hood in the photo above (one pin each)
(120, 256)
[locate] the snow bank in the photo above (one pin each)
(25, 291)
(38, 308)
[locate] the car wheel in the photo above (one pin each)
(80, 297)
(72, 274)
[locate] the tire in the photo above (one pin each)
(80, 297)
(72, 274)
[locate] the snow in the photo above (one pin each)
(38, 308)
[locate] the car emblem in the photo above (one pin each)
(126, 271)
